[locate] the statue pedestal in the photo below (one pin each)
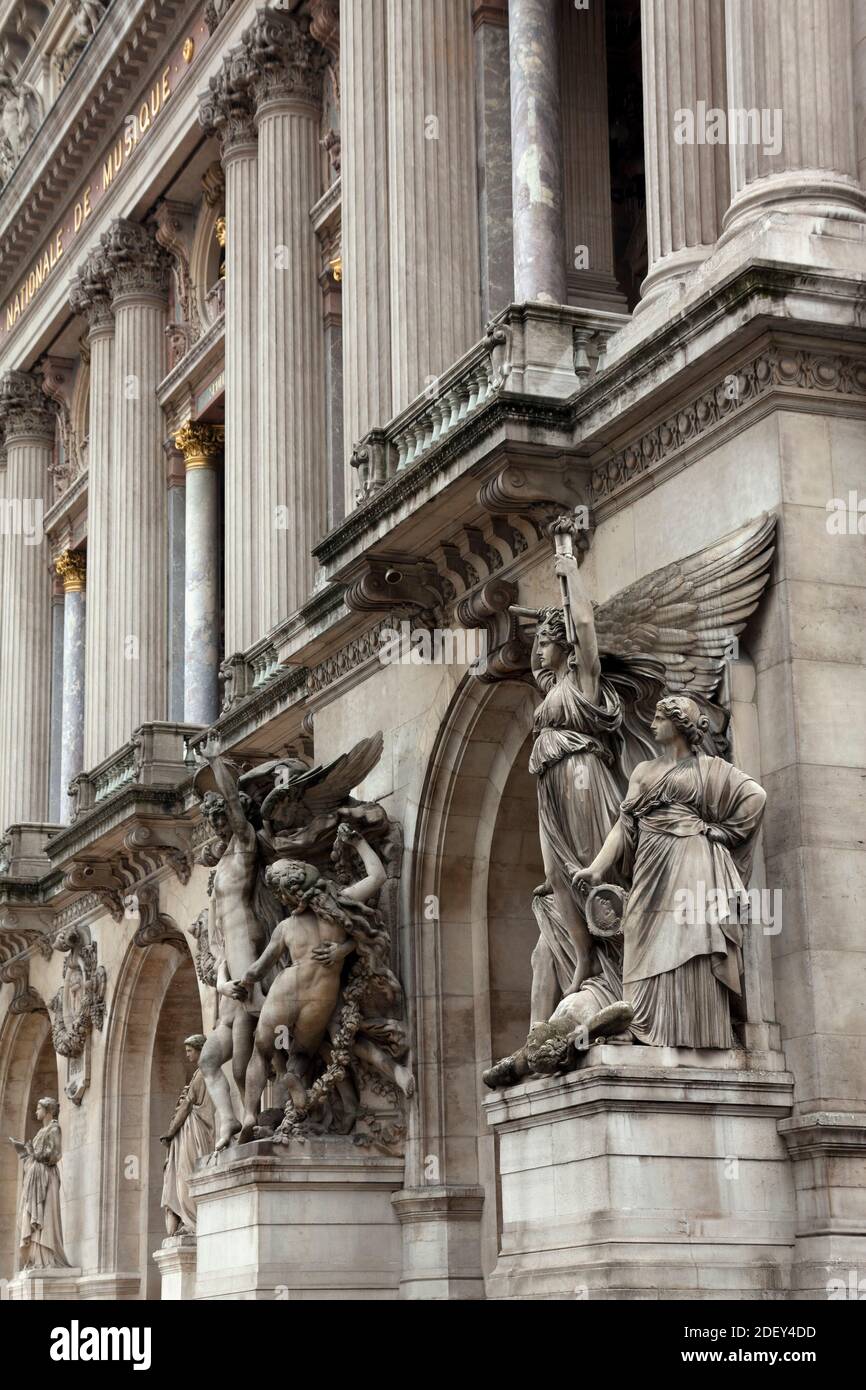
(297, 1221)
(175, 1259)
(648, 1173)
(44, 1286)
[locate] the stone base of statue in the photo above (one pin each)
(44, 1286)
(647, 1173)
(175, 1259)
(307, 1220)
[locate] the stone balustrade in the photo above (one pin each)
(158, 754)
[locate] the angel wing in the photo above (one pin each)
(686, 615)
(324, 788)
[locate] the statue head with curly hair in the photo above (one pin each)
(678, 716)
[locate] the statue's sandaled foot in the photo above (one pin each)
(502, 1073)
(228, 1130)
(609, 1021)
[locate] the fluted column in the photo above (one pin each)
(687, 191)
(536, 150)
(288, 65)
(136, 628)
(25, 644)
(71, 567)
(366, 298)
(226, 111)
(201, 446)
(586, 161)
(434, 257)
(90, 296)
(794, 61)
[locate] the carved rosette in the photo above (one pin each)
(139, 267)
(90, 292)
(288, 64)
(227, 109)
(27, 411)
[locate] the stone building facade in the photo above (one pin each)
(313, 318)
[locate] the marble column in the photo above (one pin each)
(71, 567)
(493, 128)
(175, 482)
(858, 40)
(332, 325)
(55, 797)
(791, 62)
(135, 634)
(201, 446)
(25, 651)
(365, 232)
(683, 43)
(90, 296)
(288, 66)
(226, 111)
(536, 151)
(433, 210)
(586, 161)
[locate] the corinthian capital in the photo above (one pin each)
(287, 60)
(137, 265)
(227, 109)
(26, 409)
(90, 291)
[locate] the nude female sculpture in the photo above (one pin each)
(40, 1231)
(686, 834)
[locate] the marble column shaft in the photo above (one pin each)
(793, 60)
(687, 188)
(176, 542)
(55, 795)
(493, 124)
(90, 296)
(292, 464)
(25, 657)
(365, 232)
(71, 567)
(434, 258)
(200, 446)
(136, 628)
(227, 111)
(536, 151)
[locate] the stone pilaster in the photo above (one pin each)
(536, 151)
(586, 161)
(90, 296)
(793, 61)
(683, 45)
(493, 126)
(135, 634)
(71, 567)
(287, 73)
(201, 446)
(365, 227)
(226, 111)
(435, 303)
(25, 640)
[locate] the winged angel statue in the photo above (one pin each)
(602, 671)
(276, 823)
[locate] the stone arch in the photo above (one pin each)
(156, 995)
(27, 1062)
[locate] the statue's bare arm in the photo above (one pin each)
(270, 955)
(376, 875)
(580, 605)
(228, 791)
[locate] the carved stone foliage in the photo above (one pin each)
(25, 408)
(138, 265)
(227, 110)
(90, 291)
(287, 61)
(78, 1006)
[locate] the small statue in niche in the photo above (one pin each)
(40, 1231)
(189, 1136)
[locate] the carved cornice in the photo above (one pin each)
(72, 569)
(138, 265)
(26, 410)
(777, 368)
(287, 61)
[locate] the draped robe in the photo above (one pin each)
(39, 1228)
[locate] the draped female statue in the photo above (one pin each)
(40, 1232)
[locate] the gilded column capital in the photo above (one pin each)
(227, 108)
(71, 566)
(200, 444)
(26, 409)
(288, 64)
(138, 266)
(90, 292)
